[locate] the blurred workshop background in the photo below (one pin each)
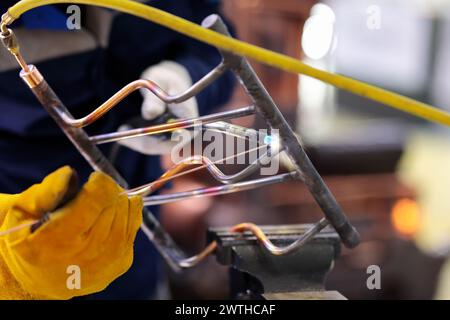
(389, 171)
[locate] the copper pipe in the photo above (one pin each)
(112, 102)
(144, 84)
(191, 161)
(177, 171)
(273, 249)
(194, 260)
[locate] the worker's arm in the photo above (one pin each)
(199, 58)
(186, 62)
(80, 249)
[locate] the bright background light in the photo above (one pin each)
(318, 32)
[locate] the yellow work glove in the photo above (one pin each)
(79, 249)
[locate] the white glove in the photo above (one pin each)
(174, 79)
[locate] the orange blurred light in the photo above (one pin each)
(405, 217)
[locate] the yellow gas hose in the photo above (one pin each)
(265, 56)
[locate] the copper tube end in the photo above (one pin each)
(32, 76)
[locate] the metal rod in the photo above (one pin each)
(267, 107)
(218, 190)
(172, 126)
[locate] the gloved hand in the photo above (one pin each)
(174, 79)
(92, 234)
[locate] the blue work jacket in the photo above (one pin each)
(85, 67)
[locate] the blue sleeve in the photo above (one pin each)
(49, 17)
(199, 58)
(136, 44)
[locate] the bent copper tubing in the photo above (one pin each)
(194, 260)
(144, 84)
(273, 249)
(177, 170)
(262, 239)
(218, 190)
(174, 172)
(228, 179)
(196, 160)
(172, 126)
